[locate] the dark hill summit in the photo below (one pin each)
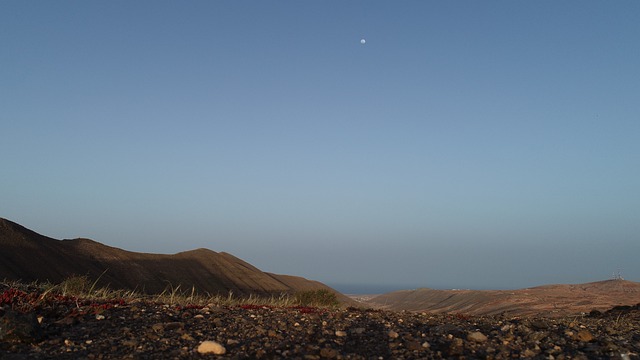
(29, 256)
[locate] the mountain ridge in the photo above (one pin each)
(29, 256)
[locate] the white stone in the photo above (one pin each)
(211, 347)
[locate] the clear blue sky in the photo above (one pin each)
(479, 144)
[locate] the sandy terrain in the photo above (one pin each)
(549, 300)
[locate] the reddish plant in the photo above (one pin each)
(306, 309)
(11, 296)
(251, 307)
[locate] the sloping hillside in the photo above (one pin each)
(29, 256)
(549, 300)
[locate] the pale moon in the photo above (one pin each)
(363, 41)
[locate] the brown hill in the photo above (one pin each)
(29, 256)
(548, 300)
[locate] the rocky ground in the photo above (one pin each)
(37, 326)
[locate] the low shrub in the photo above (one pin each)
(75, 285)
(321, 297)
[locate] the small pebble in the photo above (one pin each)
(583, 335)
(477, 336)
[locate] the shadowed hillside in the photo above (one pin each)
(29, 256)
(548, 300)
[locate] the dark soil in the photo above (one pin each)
(54, 326)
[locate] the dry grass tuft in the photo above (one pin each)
(81, 287)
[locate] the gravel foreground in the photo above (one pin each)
(58, 327)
